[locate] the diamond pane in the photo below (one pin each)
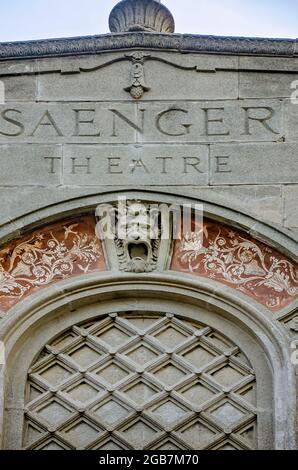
(142, 355)
(197, 394)
(111, 412)
(82, 433)
(55, 374)
(85, 356)
(64, 340)
(114, 337)
(140, 433)
(219, 341)
(227, 376)
(33, 433)
(110, 445)
(168, 445)
(34, 392)
(83, 392)
(169, 374)
(197, 435)
(170, 337)
(142, 323)
(243, 358)
(52, 445)
(198, 356)
(112, 373)
(227, 446)
(249, 434)
(141, 392)
(248, 394)
(169, 412)
(44, 353)
(227, 414)
(54, 412)
(91, 324)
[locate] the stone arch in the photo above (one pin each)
(282, 239)
(54, 304)
(246, 324)
(258, 236)
(139, 380)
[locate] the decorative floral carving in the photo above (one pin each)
(215, 251)
(236, 259)
(46, 256)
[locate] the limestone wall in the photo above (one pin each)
(220, 128)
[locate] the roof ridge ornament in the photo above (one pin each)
(141, 15)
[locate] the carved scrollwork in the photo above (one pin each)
(239, 261)
(46, 256)
(137, 85)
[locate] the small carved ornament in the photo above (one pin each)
(134, 234)
(137, 253)
(137, 85)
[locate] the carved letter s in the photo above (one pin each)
(16, 123)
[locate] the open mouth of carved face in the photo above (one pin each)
(138, 250)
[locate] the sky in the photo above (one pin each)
(38, 19)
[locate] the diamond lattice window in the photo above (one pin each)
(144, 381)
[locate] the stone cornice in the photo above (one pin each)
(159, 41)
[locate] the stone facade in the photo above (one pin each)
(157, 118)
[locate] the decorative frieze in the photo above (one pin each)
(236, 259)
(47, 255)
(134, 238)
